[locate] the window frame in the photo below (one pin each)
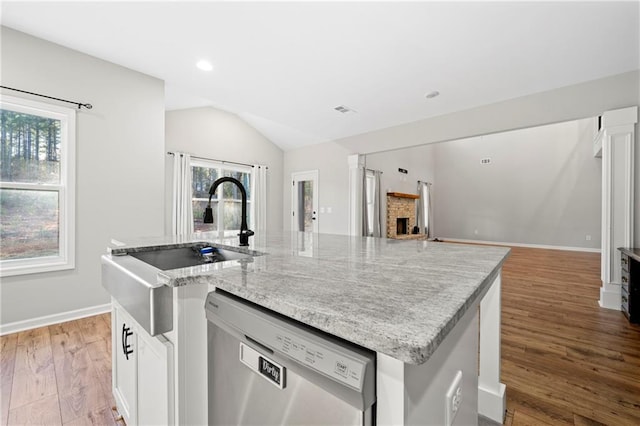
(221, 166)
(65, 189)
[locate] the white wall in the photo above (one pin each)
(211, 133)
(579, 101)
(542, 186)
(333, 184)
(120, 166)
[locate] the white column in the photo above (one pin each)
(491, 393)
(356, 166)
(618, 139)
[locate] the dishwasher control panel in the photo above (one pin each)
(272, 335)
(322, 359)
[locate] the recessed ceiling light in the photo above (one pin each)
(204, 65)
(432, 95)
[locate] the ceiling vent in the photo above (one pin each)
(344, 109)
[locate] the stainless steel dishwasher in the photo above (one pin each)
(266, 369)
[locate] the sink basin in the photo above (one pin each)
(184, 257)
(132, 278)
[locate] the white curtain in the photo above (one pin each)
(371, 205)
(182, 214)
(424, 213)
(259, 198)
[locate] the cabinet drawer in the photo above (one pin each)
(624, 262)
(625, 312)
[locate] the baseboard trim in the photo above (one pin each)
(540, 246)
(610, 297)
(15, 327)
(492, 405)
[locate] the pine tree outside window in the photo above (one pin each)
(37, 187)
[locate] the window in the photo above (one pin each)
(37, 187)
(228, 206)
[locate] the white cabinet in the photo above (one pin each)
(155, 381)
(124, 363)
(143, 372)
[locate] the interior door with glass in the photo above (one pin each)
(304, 201)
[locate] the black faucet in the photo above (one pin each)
(245, 233)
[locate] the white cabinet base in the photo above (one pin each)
(143, 372)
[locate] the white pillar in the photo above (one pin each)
(356, 166)
(491, 393)
(618, 138)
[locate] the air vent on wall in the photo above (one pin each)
(344, 109)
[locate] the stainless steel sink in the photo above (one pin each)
(183, 257)
(131, 277)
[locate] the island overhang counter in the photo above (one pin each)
(415, 303)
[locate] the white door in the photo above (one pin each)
(304, 201)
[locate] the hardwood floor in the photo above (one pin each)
(60, 374)
(564, 360)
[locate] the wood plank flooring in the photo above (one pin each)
(565, 361)
(58, 375)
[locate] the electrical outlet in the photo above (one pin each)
(588, 237)
(453, 399)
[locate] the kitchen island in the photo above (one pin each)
(415, 303)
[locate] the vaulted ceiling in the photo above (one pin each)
(284, 66)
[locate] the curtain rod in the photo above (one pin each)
(220, 161)
(79, 104)
(373, 170)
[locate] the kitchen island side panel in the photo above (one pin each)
(410, 394)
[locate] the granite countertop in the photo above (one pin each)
(400, 298)
(634, 253)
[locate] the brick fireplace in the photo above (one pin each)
(401, 215)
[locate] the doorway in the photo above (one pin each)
(304, 201)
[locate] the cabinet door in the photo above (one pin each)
(155, 380)
(124, 339)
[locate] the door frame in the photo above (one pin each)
(311, 175)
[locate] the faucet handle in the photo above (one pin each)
(244, 237)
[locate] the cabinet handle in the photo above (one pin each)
(126, 347)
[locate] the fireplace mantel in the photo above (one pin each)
(402, 195)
